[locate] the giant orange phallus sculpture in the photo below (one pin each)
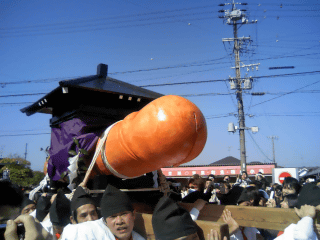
(169, 131)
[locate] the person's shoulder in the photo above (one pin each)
(137, 236)
(87, 230)
(85, 225)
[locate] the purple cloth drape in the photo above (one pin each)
(86, 129)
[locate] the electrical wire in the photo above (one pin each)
(108, 18)
(286, 93)
(259, 147)
(25, 134)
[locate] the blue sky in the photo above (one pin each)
(43, 42)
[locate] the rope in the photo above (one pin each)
(96, 154)
(111, 169)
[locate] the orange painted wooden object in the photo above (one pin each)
(169, 131)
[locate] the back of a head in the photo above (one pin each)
(196, 176)
(42, 207)
(257, 184)
(231, 198)
(292, 200)
(10, 201)
(14, 196)
(60, 210)
(171, 221)
(310, 195)
(249, 194)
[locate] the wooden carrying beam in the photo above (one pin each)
(143, 225)
(259, 217)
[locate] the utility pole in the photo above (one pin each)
(26, 152)
(232, 18)
(272, 139)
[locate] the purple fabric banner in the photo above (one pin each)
(86, 129)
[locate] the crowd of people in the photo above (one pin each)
(79, 216)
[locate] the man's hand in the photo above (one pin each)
(271, 203)
(306, 211)
(53, 198)
(199, 204)
(228, 219)
(213, 235)
(34, 230)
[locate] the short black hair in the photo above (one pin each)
(249, 194)
(74, 213)
(14, 195)
(291, 183)
(258, 184)
(292, 200)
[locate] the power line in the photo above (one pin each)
(259, 147)
(21, 95)
(182, 95)
(221, 80)
(183, 83)
(104, 28)
(25, 134)
(286, 93)
(18, 103)
(110, 18)
(45, 80)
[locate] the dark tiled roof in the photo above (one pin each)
(99, 87)
(227, 161)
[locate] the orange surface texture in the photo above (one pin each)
(169, 131)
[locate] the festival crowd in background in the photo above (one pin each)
(77, 215)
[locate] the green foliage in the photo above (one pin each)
(15, 160)
(37, 177)
(20, 172)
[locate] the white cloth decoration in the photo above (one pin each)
(42, 184)
(72, 170)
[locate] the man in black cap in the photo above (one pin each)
(43, 207)
(83, 207)
(171, 221)
(60, 213)
(117, 220)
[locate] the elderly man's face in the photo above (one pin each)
(121, 224)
